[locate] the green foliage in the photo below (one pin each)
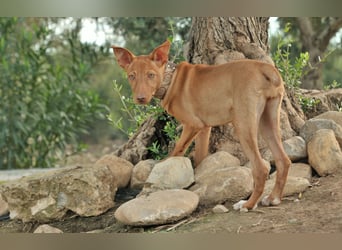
(136, 114)
(45, 103)
(308, 103)
(289, 31)
(292, 70)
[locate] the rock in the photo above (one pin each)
(47, 229)
(121, 169)
(325, 100)
(336, 116)
(86, 191)
(267, 163)
(324, 152)
(215, 161)
(298, 170)
(173, 173)
(294, 185)
(3, 206)
(295, 148)
(220, 209)
(140, 173)
(157, 208)
(224, 184)
(312, 125)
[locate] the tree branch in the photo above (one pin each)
(328, 32)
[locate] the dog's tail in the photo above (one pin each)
(274, 85)
(272, 75)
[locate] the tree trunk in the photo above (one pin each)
(316, 41)
(216, 40)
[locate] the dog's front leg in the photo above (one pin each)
(201, 145)
(187, 136)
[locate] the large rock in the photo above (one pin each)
(294, 185)
(224, 184)
(215, 161)
(3, 206)
(336, 116)
(157, 208)
(173, 173)
(140, 173)
(301, 170)
(294, 147)
(86, 191)
(312, 125)
(121, 169)
(324, 152)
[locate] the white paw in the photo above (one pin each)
(239, 206)
(267, 202)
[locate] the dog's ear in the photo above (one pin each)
(161, 54)
(123, 56)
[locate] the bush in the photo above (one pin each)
(45, 103)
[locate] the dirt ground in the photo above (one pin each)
(317, 210)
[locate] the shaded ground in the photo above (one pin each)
(316, 210)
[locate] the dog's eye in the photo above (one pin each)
(131, 77)
(151, 75)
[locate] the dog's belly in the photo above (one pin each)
(217, 117)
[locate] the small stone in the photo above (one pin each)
(220, 209)
(47, 229)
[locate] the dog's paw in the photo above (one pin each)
(239, 206)
(267, 201)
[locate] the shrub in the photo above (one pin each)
(45, 103)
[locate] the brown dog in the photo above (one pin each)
(247, 93)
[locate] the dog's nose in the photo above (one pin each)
(141, 99)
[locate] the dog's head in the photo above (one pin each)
(145, 73)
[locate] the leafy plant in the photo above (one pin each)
(137, 114)
(291, 70)
(308, 103)
(45, 103)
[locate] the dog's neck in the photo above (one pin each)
(170, 67)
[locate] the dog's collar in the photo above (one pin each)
(170, 67)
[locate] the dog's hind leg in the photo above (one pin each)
(201, 145)
(247, 130)
(269, 129)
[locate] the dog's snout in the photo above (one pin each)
(141, 99)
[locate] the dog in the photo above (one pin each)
(246, 93)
